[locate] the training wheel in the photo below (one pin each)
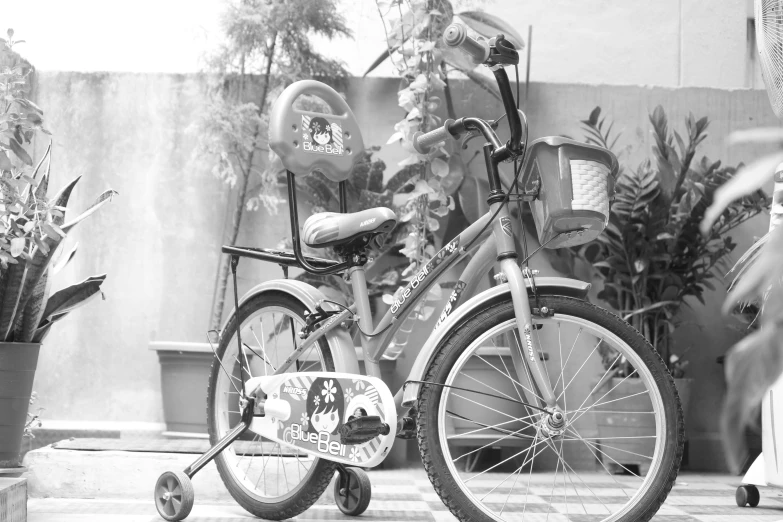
(352, 491)
(747, 495)
(174, 495)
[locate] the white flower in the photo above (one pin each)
(359, 384)
(348, 395)
(316, 400)
(329, 391)
(354, 454)
(304, 421)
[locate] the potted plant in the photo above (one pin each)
(32, 229)
(652, 256)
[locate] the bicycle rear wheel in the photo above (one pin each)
(617, 455)
(266, 478)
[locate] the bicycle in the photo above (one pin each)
(286, 397)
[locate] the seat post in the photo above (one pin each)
(342, 187)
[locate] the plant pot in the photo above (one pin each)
(184, 375)
(17, 371)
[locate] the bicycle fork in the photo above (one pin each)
(525, 355)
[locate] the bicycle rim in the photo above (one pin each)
(576, 473)
(265, 470)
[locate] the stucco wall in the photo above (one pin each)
(159, 240)
(668, 43)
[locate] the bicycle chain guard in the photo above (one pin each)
(312, 412)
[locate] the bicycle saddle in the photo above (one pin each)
(310, 141)
(327, 229)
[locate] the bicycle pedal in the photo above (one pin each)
(362, 429)
(406, 428)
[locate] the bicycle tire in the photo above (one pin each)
(316, 482)
(431, 441)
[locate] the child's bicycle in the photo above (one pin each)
(514, 368)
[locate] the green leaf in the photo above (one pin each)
(98, 203)
(378, 61)
(744, 182)
(20, 152)
(73, 296)
(51, 231)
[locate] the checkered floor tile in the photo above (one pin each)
(408, 495)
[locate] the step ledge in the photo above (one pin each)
(57, 473)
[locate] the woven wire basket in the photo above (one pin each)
(575, 184)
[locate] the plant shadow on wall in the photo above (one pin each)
(33, 249)
(652, 257)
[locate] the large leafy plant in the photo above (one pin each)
(427, 187)
(652, 256)
(271, 43)
(32, 226)
(755, 362)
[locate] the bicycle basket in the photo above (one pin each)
(575, 185)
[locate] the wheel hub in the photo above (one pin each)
(554, 424)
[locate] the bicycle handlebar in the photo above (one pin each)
(494, 53)
(456, 35)
(423, 142)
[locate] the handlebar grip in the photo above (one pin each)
(422, 142)
(456, 35)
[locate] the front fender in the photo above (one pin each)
(343, 352)
(544, 286)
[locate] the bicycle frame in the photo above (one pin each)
(493, 241)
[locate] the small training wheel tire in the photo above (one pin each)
(174, 495)
(354, 497)
(747, 495)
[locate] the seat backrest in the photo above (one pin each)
(309, 141)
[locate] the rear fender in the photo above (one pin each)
(339, 340)
(544, 286)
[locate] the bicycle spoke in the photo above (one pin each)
(524, 460)
(582, 412)
(509, 377)
(498, 464)
(484, 405)
(516, 389)
(552, 492)
(490, 387)
(569, 355)
(485, 426)
(595, 446)
(509, 433)
(580, 368)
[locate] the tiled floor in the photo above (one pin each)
(408, 495)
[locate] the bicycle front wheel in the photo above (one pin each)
(266, 478)
(491, 457)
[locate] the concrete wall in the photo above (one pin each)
(668, 43)
(159, 240)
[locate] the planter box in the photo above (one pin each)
(17, 371)
(184, 375)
